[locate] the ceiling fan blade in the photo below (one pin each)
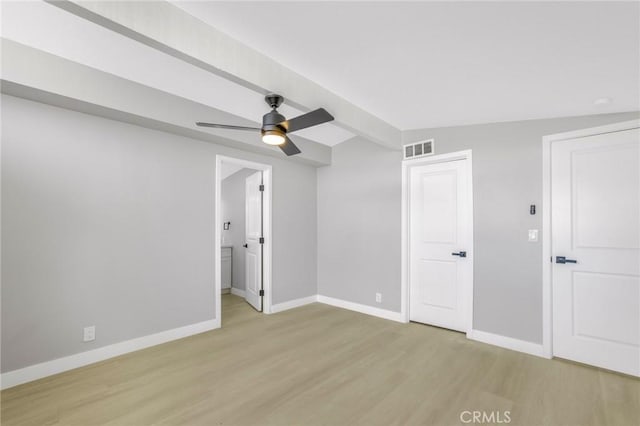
(226, 126)
(289, 148)
(309, 119)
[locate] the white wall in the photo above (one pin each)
(359, 219)
(110, 224)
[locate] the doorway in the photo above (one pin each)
(438, 241)
(243, 245)
(592, 249)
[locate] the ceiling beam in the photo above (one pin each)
(163, 26)
(26, 72)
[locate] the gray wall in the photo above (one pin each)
(359, 219)
(111, 224)
(233, 210)
(359, 199)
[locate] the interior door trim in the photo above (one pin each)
(407, 165)
(267, 180)
(547, 141)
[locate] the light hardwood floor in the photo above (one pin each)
(323, 365)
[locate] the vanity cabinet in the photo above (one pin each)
(226, 262)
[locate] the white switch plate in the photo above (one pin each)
(89, 333)
(533, 235)
(379, 297)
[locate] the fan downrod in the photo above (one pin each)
(273, 100)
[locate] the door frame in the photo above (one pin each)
(266, 231)
(547, 249)
(407, 165)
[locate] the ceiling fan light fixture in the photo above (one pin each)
(273, 137)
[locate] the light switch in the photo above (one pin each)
(533, 235)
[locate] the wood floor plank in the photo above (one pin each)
(320, 365)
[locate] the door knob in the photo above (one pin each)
(245, 245)
(461, 254)
(562, 259)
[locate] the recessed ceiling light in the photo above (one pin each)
(602, 101)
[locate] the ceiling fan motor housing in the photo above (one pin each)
(273, 121)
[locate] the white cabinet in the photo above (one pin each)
(226, 267)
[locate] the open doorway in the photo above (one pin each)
(243, 236)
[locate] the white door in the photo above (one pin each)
(440, 245)
(253, 236)
(595, 222)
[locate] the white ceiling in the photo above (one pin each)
(428, 64)
(51, 29)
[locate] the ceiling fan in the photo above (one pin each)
(275, 126)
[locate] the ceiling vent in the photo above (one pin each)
(418, 149)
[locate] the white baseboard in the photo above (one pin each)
(293, 304)
(48, 368)
(364, 309)
(508, 343)
(237, 292)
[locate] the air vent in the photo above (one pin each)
(418, 149)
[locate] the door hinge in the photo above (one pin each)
(261, 240)
(261, 292)
(261, 188)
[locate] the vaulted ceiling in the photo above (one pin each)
(379, 67)
(427, 64)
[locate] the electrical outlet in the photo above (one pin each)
(89, 333)
(379, 297)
